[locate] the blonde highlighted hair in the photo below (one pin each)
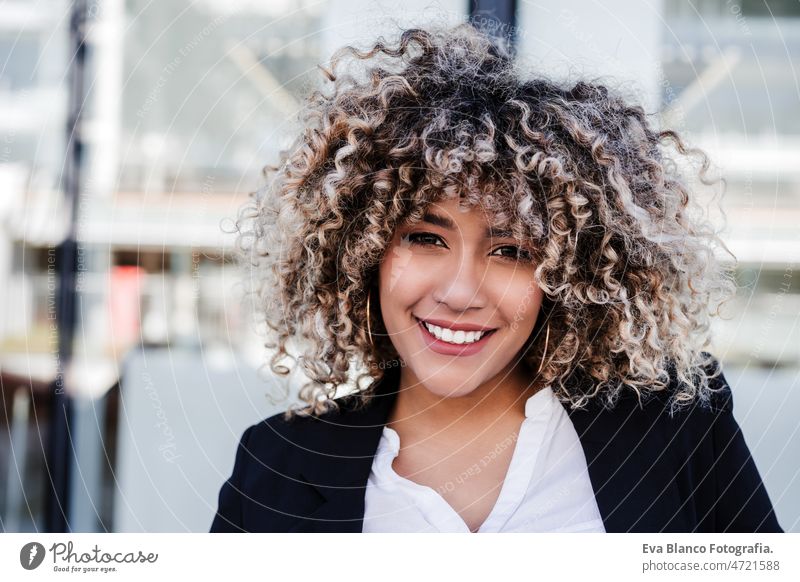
(628, 268)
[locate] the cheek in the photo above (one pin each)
(395, 267)
(401, 285)
(521, 301)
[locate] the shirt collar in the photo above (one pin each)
(540, 402)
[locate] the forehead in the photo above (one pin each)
(452, 215)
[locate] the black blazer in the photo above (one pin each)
(650, 473)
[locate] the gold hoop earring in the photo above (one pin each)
(369, 330)
(544, 353)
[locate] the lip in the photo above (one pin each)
(448, 349)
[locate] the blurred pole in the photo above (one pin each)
(93, 365)
(496, 17)
(59, 451)
(17, 458)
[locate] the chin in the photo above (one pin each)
(449, 383)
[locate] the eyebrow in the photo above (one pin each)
(444, 222)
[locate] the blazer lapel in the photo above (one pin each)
(631, 470)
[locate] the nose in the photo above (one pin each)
(462, 284)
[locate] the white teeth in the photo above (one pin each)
(458, 337)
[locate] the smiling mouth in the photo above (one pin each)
(456, 338)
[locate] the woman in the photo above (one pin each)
(517, 268)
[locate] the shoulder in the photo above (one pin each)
(691, 424)
(279, 438)
(660, 416)
(712, 393)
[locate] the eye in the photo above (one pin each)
(424, 239)
(514, 253)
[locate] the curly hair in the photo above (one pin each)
(627, 267)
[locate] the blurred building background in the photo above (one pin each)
(184, 104)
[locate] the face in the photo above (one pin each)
(458, 298)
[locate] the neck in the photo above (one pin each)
(420, 413)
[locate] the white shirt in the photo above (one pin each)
(546, 489)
